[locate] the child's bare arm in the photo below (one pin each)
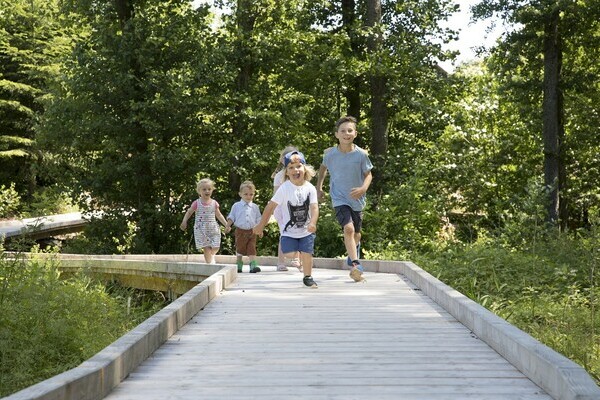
(358, 192)
(186, 217)
(314, 217)
(220, 217)
(258, 229)
(228, 225)
(320, 180)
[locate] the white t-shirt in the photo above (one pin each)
(278, 179)
(294, 202)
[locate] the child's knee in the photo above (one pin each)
(349, 229)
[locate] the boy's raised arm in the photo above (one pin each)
(320, 180)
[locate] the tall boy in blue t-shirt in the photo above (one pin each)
(349, 168)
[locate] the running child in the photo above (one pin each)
(300, 212)
(350, 168)
(278, 177)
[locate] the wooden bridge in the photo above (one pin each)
(401, 335)
(41, 227)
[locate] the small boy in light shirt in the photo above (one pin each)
(245, 215)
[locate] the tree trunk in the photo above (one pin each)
(245, 23)
(379, 110)
(124, 11)
(148, 238)
(552, 122)
(353, 90)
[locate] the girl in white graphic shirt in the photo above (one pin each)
(297, 198)
(278, 179)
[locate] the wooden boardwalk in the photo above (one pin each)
(269, 337)
(42, 227)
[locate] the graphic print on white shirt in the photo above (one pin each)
(294, 203)
(298, 214)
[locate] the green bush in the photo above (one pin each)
(48, 201)
(10, 201)
(45, 201)
(549, 289)
(49, 324)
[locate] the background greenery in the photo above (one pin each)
(49, 324)
(484, 176)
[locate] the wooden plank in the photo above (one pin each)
(269, 337)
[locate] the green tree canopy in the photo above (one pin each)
(31, 44)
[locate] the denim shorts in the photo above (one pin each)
(305, 244)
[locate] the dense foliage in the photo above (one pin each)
(159, 95)
(49, 325)
(32, 42)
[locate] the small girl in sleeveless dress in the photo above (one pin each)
(207, 232)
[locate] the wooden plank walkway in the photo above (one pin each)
(269, 337)
(42, 227)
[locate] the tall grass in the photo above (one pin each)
(549, 289)
(49, 325)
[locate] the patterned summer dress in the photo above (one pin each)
(207, 232)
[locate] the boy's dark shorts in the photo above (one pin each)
(303, 245)
(245, 242)
(344, 214)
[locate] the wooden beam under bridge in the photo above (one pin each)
(173, 278)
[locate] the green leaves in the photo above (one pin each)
(49, 324)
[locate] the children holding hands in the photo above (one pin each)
(296, 202)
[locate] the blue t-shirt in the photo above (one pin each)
(346, 171)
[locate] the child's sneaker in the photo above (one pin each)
(357, 271)
(281, 267)
(240, 264)
(349, 260)
(253, 267)
(310, 282)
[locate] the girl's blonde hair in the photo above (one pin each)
(205, 181)
(282, 153)
(309, 173)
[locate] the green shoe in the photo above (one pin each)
(253, 267)
(240, 264)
